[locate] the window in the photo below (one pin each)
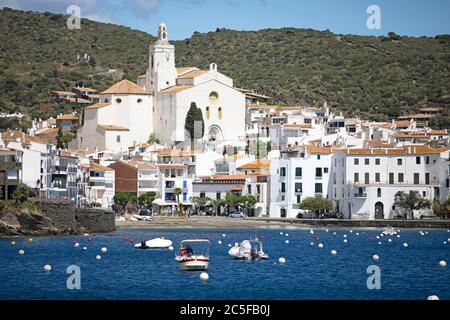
(318, 188)
(298, 172)
(207, 113)
(213, 96)
(318, 172)
(325, 170)
(283, 172)
(356, 177)
(399, 162)
(139, 100)
(427, 178)
(219, 113)
(298, 188)
(391, 178)
(202, 195)
(447, 183)
(118, 139)
(417, 160)
(184, 196)
(184, 184)
(366, 161)
(283, 213)
(283, 187)
(427, 160)
(377, 162)
(318, 157)
(356, 161)
(416, 178)
(379, 192)
(218, 196)
(377, 177)
(299, 199)
(424, 194)
(366, 178)
(118, 100)
(401, 178)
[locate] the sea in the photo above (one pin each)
(310, 271)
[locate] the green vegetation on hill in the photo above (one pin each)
(371, 77)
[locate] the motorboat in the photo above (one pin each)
(390, 231)
(193, 255)
(158, 243)
(248, 250)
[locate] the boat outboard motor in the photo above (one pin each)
(254, 253)
(143, 244)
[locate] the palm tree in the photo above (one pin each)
(178, 192)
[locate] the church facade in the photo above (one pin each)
(129, 113)
(174, 89)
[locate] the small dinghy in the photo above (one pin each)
(158, 243)
(248, 250)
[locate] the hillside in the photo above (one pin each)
(373, 77)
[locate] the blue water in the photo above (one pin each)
(309, 272)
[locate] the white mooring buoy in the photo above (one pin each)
(47, 268)
(282, 260)
(204, 276)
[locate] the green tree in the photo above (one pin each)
(215, 204)
(316, 204)
(121, 199)
(63, 139)
(153, 139)
(232, 201)
(147, 199)
(22, 193)
(410, 201)
(194, 115)
(199, 202)
(247, 202)
(442, 209)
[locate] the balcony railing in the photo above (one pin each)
(361, 195)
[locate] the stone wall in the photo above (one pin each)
(55, 217)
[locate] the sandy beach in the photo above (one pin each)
(222, 222)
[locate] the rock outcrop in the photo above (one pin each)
(54, 218)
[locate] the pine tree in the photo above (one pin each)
(194, 115)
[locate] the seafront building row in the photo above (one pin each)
(131, 138)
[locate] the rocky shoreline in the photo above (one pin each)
(53, 218)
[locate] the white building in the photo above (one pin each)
(174, 89)
(100, 189)
(299, 173)
(366, 180)
(123, 118)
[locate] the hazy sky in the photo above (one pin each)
(183, 17)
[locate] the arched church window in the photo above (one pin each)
(219, 113)
(213, 96)
(118, 100)
(379, 192)
(207, 113)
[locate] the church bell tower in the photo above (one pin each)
(161, 73)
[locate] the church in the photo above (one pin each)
(174, 89)
(128, 113)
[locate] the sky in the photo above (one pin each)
(184, 17)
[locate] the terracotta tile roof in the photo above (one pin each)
(175, 89)
(438, 132)
(12, 136)
(402, 123)
(136, 165)
(67, 117)
(64, 93)
(98, 106)
(298, 126)
(84, 89)
(315, 149)
(407, 150)
(108, 127)
(47, 131)
(97, 167)
(410, 136)
(257, 164)
(193, 74)
(416, 116)
(184, 70)
(228, 178)
(125, 87)
(237, 188)
(178, 153)
(379, 144)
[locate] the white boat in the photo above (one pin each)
(158, 243)
(248, 250)
(389, 231)
(193, 260)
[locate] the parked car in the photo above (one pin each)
(237, 214)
